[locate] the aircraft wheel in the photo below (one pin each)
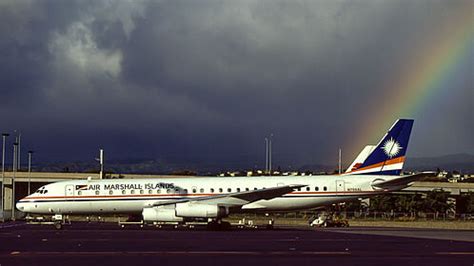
(58, 225)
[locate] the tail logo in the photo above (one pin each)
(391, 148)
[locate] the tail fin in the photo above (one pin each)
(388, 156)
(360, 159)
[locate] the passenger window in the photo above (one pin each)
(238, 189)
(97, 192)
(220, 190)
(79, 193)
(132, 191)
(247, 189)
(168, 191)
(185, 191)
(111, 192)
(124, 191)
(229, 190)
(150, 191)
(201, 190)
(142, 191)
(176, 190)
(212, 190)
(316, 188)
(194, 190)
(307, 188)
(299, 189)
(158, 191)
(325, 188)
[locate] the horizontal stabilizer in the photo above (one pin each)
(403, 181)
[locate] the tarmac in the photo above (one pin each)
(107, 244)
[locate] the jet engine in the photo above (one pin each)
(181, 211)
(160, 214)
(376, 181)
(199, 210)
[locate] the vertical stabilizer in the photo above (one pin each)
(360, 159)
(388, 156)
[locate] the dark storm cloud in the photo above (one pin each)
(200, 79)
(26, 28)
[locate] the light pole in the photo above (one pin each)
(30, 153)
(340, 161)
(101, 157)
(270, 154)
(15, 150)
(18, 162)
(4, 135)
(266, 156)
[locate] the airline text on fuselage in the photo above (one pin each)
(122, 186)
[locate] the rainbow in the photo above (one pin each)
(437, 60)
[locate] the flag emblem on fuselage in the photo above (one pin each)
(391, 148)
(81, 187)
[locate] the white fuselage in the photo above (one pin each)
(131, 196)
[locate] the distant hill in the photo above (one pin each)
(463, 163)
(456, 162)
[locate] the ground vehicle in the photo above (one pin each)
(328, 221)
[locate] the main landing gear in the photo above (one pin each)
(218, 224)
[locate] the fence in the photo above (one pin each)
(365, 215)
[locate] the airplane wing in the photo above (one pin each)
(238, 198)
(403, 181)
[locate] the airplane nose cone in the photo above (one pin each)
(21, 206)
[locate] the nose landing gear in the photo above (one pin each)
(57, 220)
(58, 225)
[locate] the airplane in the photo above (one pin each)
(375, 171)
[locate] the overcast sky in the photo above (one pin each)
(206, 81)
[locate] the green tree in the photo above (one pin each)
(437, 201)
(465, 203)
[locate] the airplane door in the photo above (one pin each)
(69, 190)
(340, 186)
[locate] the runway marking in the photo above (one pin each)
(180, 253)
(319, 240)
(443, 235)
(325, 253)
(199, 253)
(2, 226)
(167, 240)
(456, 253)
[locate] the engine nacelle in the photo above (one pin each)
(160, 214)
(199, 210)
